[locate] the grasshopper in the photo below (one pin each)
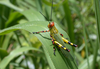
(56, 37)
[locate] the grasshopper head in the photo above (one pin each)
(51, 24)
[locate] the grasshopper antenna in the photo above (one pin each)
(51, 11)
(51, 14)
(45, 16)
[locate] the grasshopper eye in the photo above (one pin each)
(51, 25)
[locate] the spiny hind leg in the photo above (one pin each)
(61, 46)
(58, 45)
(40, 32)
(68, 42)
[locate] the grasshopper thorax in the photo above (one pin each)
(51, 24)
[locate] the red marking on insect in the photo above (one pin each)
(76, 45)
(51, 25)
(68, 50)
(61, 34)
(37, 32)
(53, 42)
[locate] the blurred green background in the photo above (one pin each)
(20, 49)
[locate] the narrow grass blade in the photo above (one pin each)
(69, 20)
(97, 15)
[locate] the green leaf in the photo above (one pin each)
(97, 14)
(3, 53)
(69, 20)
(13, 54)
(33, 15)
(13, 19)
(84, 64)
(55, 62)
(6, 41)
(7, 3)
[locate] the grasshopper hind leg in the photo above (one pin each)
(68, 42)
(61, 46)
(58, 45)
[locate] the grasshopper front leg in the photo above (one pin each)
(40, 32)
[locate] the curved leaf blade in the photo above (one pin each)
(55, 62)
(14, 53)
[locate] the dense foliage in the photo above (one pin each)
(21, 49)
